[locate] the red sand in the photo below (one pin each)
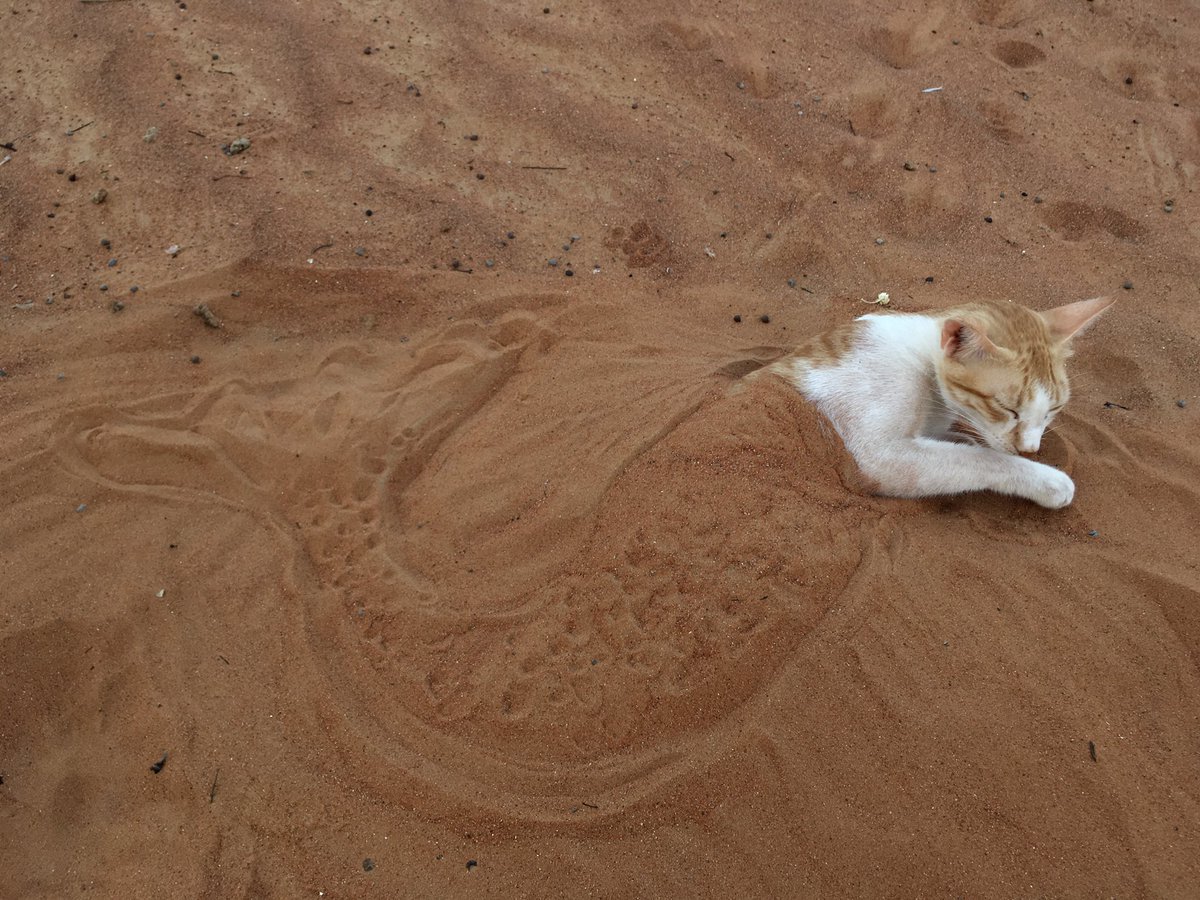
(491, 564)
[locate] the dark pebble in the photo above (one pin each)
(1129, 79)
(511, 235)
(566, 248)
(360, 251)
(910, 167)
(117, 306)
(489, 262)
(72, 177)
(456, 263)
(472, 137)
(737, 318)
(236, 294)
(49, 215)
(929, 279)
(479, 175)
(1093, 533)
(568, 273)
(1182, 404)
(112, 262)
(634, 106)
(471, 864)
(791, 282)
(133, 289)
(933, 170)
(1002, 195)
(3, 373)
(988, 219)
(59, 171)
(553, 261)
(158, 766)
(1037, 199)
(546, 10)
(104, 287)
(216, 56)
(741, 85)
(1024, 193)
(368, 864)
(1128, 285)
(370, 212)
(178, 77)
(366, 51)
(105, 242)
(765, 319)
(195, 360)
(1168, 206)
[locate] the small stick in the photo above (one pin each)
(319, 247)
(1108, 404)
(158, 766)
(547, 168)
(212, 791)
(100, 1)
(730, 155)
(1092, 749)
(223, 72)
(197, 133)
(71, 131)
(230, 175)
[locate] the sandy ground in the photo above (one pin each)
(439, 570)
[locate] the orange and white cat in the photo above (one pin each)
(943, 402)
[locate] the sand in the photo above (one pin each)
(439, 570)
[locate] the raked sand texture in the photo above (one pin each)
(437, 570)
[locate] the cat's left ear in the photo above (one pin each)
(1067, 321)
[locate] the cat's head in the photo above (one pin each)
(1002, 369)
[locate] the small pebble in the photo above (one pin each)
(72, 177)
(3, 373)
(568, 273)
(360, 251)
(104, 287)
(791, 282)
(236, 294)
(368, 864)
(216, 56)
(933, 169)
(489, 262)
(988, 219)
(471, 864)
(133, 289)
(737, 318)
(112, 262)
(61, 376)
(472, 137)
(553, 261)
(511, 235)
(929, 279)
(1168, 206)
(105, 242)
(81, 507)
(909, 167)
(1024, 193)
(1093, 533)
(1128, 285)
(370, 212)
(879, 242)
(117, 306)
(479, 175)
(1129, 79)
(765, 319)
(195, 360)
(1182, 404)
(456, 263)
(1037, 200)
(741, 85)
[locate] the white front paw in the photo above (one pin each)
(1052, 489)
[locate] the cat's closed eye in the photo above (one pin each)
(1013, 412)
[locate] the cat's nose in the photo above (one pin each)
(1029, 441)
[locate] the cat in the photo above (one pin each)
(943, 402)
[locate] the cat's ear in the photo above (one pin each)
(965, 341)
(1067, 321)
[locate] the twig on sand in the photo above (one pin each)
(212, 791)
(71, 131)
(207, 315)
(1108, 404)
(231, 175)
(319, 247)
(100, 1)
(547, 168)
(197, 133)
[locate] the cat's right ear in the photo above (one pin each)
(962, 340)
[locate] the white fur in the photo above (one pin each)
(882, 398)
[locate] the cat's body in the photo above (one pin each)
(942, 402)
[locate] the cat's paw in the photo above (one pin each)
(1052, 489)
